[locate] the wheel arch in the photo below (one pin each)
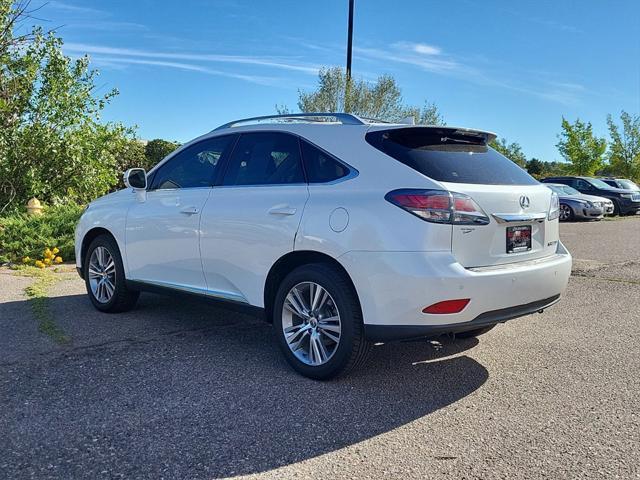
(89, 237)
(286, 264)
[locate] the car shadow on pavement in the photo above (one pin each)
(182, 389)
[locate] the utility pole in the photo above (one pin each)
(350, 40)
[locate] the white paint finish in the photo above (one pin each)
(394, 287)
(339, 220)
(108, 212)
(398, 262)
(162, 237)
(245, 230)
(486, 244)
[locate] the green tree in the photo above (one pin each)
(381, 100)
(52, 143)
(535, 167)
(624, 148)
(513, 151)
(130, 155)
(581, 148)
(157, 149)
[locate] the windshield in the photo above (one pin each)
(628, 185)
(564, 190)
(447, 155)
(599, 183)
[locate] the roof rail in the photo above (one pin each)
(344, 118)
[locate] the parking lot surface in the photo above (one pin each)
(180, 389)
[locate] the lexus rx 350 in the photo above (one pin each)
(340, 231)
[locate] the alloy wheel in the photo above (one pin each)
(565, 212)
(311, 323)
(102, 274)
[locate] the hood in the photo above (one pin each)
(584, 197)
(593, 198)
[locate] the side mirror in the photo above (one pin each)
(135, 178)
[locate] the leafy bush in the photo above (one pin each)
(22, 235)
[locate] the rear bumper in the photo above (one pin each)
(394, 287)
(388, 333)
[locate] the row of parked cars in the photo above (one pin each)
(593, 198)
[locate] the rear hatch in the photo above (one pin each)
(514, 207)
(495, 243)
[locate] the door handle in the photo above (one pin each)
(282, 210)
(189, 210)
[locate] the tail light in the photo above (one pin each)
(554, 209)
(439, 206)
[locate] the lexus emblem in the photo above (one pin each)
(524, 201)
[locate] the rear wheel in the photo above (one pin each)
(104, 277)
(474, 333)
(318, 322)
(566, 214)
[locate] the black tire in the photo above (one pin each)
(123, 298)
(352, 348)
(474, 333)
(570, 215)
(616, 208)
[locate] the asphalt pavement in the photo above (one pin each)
(181, 389)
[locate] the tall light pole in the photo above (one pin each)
(350, 39)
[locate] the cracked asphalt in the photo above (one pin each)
(181, 389)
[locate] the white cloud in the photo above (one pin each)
(119, 61)
(420, 48)
(269, 62)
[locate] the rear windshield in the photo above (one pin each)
(447, 155)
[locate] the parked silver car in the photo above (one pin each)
(576, 205)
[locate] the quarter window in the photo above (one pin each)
(265, 158)
(195, 166)
(320, 166)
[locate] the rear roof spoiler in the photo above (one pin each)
(486, 136)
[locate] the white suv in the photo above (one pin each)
(341, 231)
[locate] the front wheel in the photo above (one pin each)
(318, 322)
(566, 214)
(104, 277)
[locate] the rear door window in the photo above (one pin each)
(265, 158)
(320, 166)
(448, 155)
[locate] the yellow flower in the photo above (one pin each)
(47, 252)
(58, 259)
(26, 260)
(47, 261)
(55, 250)
(39, 264)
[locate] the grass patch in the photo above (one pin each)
(38, 296)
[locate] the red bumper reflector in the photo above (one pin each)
(448, 306)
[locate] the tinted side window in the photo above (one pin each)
(582, 185)
(195, 166)
(266, 158)
(321, 167)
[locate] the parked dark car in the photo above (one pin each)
(625, 202)
(623, 183)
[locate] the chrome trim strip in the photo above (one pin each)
(525, 217)
(201, 291)
(516, 265)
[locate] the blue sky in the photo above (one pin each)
(184, 67)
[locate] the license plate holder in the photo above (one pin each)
(518, 238)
